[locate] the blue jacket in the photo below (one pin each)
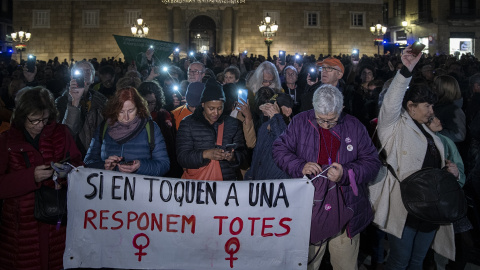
(263, 167)
(299, 144)
(137, 148)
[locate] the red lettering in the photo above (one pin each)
(253, 219)
(190, 221)
(130, 219)
(89, 219)
(170, 222)
(220, 222)
(265, 226)
(114, 217)
(240, 226)
(102, 218)
(156, 222)
(285, 226)
(139, 221)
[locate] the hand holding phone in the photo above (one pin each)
(242, 96)
(313, 74)
(230, 147)
(126, 162)
(32, 59)
(79, 78)
(282, 56)
(416, 48)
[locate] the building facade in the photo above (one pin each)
(445, 26)
(84, 29)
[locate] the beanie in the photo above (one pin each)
(194, 92)
(212, 91)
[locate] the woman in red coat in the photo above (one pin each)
(27, 149)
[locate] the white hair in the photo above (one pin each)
(327, 99)
(255, 81)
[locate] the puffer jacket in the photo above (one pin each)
(358, 156)
(137, 148)
(26, 243)
(196, 134)
(83, 120)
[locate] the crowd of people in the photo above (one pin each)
(214, 117)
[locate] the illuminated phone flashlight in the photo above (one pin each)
(304, 53)
(151, 46)
(240, 92)
(177, 50)
(280, 53)
(30, 56)
(297, 56)
(355, 51)
(204, 52)
(312, 70)
(245, 52)
(77, 72)
(165, 69)
(175, 87)
(191, 53)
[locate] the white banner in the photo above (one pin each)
(131, 221)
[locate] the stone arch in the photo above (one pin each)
(202, 33)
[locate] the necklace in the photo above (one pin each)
(329, 153)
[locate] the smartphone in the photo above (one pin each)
(126, 162)
(242, 95)
(313, 74)
(282, 56)
(355, 55)
(230, 147)
(417, 47)
(31, 61)
(64, 160)
(79, 78)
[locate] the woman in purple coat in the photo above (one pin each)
(333, 149)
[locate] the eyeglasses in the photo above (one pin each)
(328, 69)
(267, 81)
(195, 72)
(291, 74)
(330, 123)
(37, 121)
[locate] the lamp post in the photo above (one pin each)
(268, 29)
(378, 30)
(21, 37)
(140, 29)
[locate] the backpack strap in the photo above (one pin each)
(103, 130)
(151, 135)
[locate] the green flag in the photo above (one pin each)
(134, 48)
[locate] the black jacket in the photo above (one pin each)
(196, 134)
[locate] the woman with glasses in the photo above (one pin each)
(333, 149)
(266, 74)
(410, 146)
(28, 148)
(132, 143)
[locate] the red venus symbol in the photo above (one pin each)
(140, 247)
(229, 250)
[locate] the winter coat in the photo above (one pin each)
(405, 146)
(83, 120)
(299, 144)
(155, 164)
(196, 135)
(26, 243)
(263, 166)
(453, 120)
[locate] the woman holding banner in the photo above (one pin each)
(132, 142)
(29, 148)
(211, 146)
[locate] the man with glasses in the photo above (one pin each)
(332, 71)
(196, 71)
(291, 88)
(334, 150)
(80, 108)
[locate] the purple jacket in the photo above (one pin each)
(299, 144)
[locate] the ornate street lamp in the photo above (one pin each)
(139, 29)
(268, 29)
(21, 37)
(378, 30)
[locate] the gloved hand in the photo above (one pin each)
(61, 170)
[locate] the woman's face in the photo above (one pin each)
(421, 112)
(152, 101)
(35, 122)
(267, 79)
(367, 75)
(128, 112)
(229, 78)
(212, 110)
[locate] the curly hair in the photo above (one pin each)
(152, 87)
(33, 100)
(115, 104)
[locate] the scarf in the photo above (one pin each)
(123, 132)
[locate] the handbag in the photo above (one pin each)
(213, 170)
(433, 195)
(51, 205)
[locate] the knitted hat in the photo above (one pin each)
(333, 62)
(212, 91)
(194, 92)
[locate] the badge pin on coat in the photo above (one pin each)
(350, 148)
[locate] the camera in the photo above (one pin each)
(79, 78)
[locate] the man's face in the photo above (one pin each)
(229, 78)
(195, 73)
(107, 80)
(331, 74)
(291, 76)
(212, 110)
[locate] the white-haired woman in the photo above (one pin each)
(336, 145)
(266, 74)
